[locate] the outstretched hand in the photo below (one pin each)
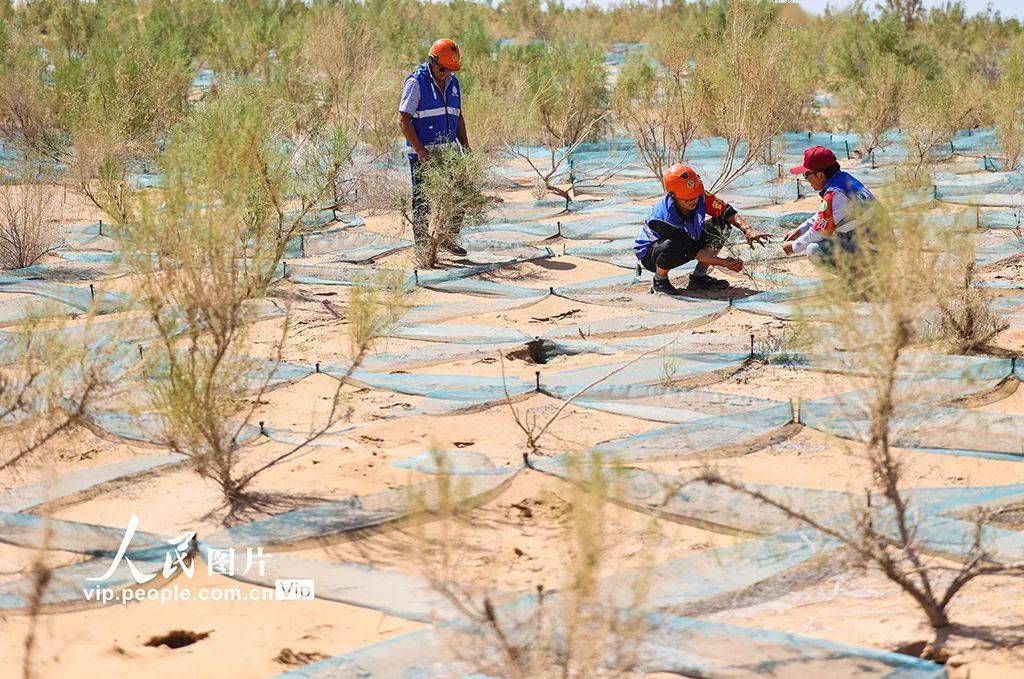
(757, 238)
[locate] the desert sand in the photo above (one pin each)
(514, 541)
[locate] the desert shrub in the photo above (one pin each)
(659, 110)
(55, 375)
(495, 83)
(877, 100)
(29, 216)
(237, 188)
(875, 68)
(936, 111)
(742, 78)
(123, 88)
(566, 101)
(245, 34)
(99, 170)
(116, 99)
(973, 41)
(528, 17)
(27, 117)
(342, 56)
(453, 183)
(906, 11)
(1006, 105)
(965, 321)
(350, 73)
(862, 36)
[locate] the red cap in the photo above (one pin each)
(816, 158)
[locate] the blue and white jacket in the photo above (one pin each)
(436, 119)
(843, 202)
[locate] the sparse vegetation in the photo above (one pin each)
(54, 376)
(936, 111)
(213, 137)
(966, 321)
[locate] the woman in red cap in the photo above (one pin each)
(430, 116)
(840, 223)
(689, 223)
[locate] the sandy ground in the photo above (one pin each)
(512, 543)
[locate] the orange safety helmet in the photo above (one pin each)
(683, 182)
(446, 53)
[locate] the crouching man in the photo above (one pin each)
(686, 224)
(840, 225)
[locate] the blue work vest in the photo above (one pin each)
(666, 213)
(436, 120)
(850, 185)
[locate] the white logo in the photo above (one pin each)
(455, 90)
(221, 561)
(182, 550)
(294, 590)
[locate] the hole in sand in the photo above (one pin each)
(177, 638)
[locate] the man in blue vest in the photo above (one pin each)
(430, 116)
(689, 223)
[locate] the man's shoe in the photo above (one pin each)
(456, 250)
(664, 286)
(706, 282)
